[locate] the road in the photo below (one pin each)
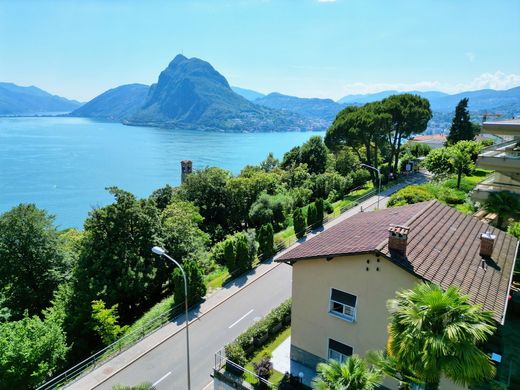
(163, 361)
(166, 365)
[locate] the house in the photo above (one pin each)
(503, 158)
(434, 141)
(343, 277)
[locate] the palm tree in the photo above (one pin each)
(392, 368)
(353, 374)
(435, 333)
(503, 204)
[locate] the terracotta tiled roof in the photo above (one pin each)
(433, 137)
(443, 247)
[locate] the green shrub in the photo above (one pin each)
(327, 206)
(319, 211)
(230, 254)
(299, 223)
(312, 215)
(265, 238)
(410, 195)
(236, 354)
(514, 229)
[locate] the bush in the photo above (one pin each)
(230, 254)
(299, 223)
(264, 368)
(319, 211)
(514, 229)
(265, 238)
(235, 353)
(409, 195)
(328, 206)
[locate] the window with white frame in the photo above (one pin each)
(339, 351)
(343, 304)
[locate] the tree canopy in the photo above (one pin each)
(462, 129)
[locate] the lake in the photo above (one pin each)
(64, 164)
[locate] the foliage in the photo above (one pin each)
(331, 185)
(31, 350)
(514, 229)
(207, 190)
(291, 158)
(461, 127)
(236, 354)
(269, 163)
(32, 264)
(312, 215)
(270, 209)
(299, 223)
(116, 265)
(417, 149)
(435, 333)
(503, 204)
(347, 161)
(182, 234)
(461, 163)
(354, 374)
(141, 386)
(230, 253)
(438, 162)
(265, 238)
(264, 368)
(162, 197)
(320, 214)
(409, 195)
(242, 254)
(392, 368)
(196, 285)
(470, 148)
(105, 322)
(314, 154)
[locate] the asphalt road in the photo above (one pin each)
(166, 365)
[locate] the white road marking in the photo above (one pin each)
(240, 319)
(162, 378)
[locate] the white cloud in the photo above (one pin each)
(326, 1)
(498, 80)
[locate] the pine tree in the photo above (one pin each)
(462, 129)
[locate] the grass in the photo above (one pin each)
(217, 278)
(267, 350)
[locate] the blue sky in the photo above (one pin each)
(307, 48)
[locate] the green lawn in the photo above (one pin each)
(267, 350)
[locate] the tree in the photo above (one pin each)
(265, 238)
(461, 163)
(31, 350)
(242, 253)
(461, 127)
(417, 149)
(207, 190)
(312, 215)
(470, 148)
(410, 114)
(299, 223)
(230, 254)
(503, 204)
(116, 265)
(105, 322)
(410, 195)
(269, 163)
(270, 209)
(31, 262)
(354, 374)
(163, 196)
(291, 158)
(314, 154)
(435, 333)
(196, 285)
(438, 162)
(319, 211)
(183, 236)
(392, 368)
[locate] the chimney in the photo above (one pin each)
(186, 169)
(487, 241)
(398, 238)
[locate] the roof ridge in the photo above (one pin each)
(429, 204)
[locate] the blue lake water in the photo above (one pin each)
(64, 164)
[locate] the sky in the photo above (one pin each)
(306, 48)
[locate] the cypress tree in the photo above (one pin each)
(461, 127)
(319, 211)
(230, 254)
(242, 253)
(269, 240)
(299, 223)
(312, 215)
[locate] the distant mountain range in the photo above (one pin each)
(115, 104)
(191, 94)
(249, 94)
(17, 100)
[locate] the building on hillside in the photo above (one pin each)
(434, 141)
(503, 158)
(343, 277)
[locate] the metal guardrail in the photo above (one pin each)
(89, 364)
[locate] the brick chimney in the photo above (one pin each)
(398, 238)
(186, 169)
(487, 241)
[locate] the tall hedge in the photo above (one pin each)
(265, 238)
(312, 215)
(319, 211)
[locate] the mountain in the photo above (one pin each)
(372, 97)
(115, 104)
(325, 109)
(17, 100)
(249, 94)
(191, 94)
(484, 99)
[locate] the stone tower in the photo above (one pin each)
(186, 169)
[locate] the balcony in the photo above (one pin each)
(504, 158)
(494, 183)
(508, 127)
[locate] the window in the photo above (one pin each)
(339, 351)
(343, 305)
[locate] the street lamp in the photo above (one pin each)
(379, 178)
(161, 252)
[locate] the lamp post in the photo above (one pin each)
(379, 178)
(161, 252)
